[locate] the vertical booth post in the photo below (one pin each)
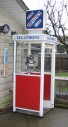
(14, 78)
(53, 75)
(29, 49)
(42, 78)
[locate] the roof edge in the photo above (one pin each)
(22, 4)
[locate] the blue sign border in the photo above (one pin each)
(34, 19)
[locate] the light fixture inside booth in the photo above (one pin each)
(4, 29)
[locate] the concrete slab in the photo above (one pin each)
(56, 118)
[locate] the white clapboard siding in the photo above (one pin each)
(18, 70)
(5, 79)
(6, 104)
(10, 66)
(18, 58)
(5, 99)
(10, 60)
(4, 93)
(10, 52)
(6, 39)
(13, 27)
(7, 19)
(3, 12)
(4, 45)
(0, 60)
(5, 87)
(6, 83)
(7, 16)
(10, 73)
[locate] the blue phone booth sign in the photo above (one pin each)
(34, 19)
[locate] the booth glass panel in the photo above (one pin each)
(23, 57)
(47, 59)
(35, 50)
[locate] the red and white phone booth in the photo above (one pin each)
(34, 91)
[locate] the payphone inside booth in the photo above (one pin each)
(33, 88)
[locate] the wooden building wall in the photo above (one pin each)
(6, 83)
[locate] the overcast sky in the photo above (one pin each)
(34, 4)
(39, 4)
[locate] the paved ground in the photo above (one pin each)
(56, 118)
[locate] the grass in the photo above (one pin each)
(61, 86)
(64, 74)
(61, 106)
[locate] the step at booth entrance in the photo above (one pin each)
(33, 88)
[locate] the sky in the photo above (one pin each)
(39, 4)
(35, 4)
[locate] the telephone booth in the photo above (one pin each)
(33, 87)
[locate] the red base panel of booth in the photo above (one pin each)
(47, 86)
(28, 92)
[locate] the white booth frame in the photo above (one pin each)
(43, 39)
